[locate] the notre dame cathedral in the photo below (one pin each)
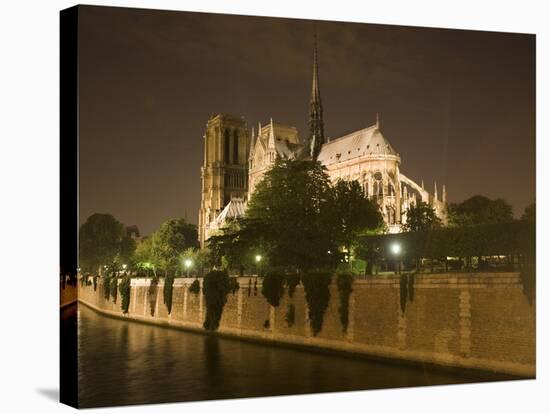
(235, 160)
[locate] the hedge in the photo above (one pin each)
(515, 237)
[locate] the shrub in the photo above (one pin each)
(316, 286)
(273, 288)
(168, 291)
(292, 281)
(106, 287)
(152, 294)
(290, 315)
(195, 287)
(344, 282)
(114, 288)
(216, 287)
(406, 289)
(124, 287)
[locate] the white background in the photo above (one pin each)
(29, 203)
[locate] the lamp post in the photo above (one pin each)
(188, 263)
(396, 250)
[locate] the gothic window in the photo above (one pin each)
(236, 147)
(227, 144)
(391, 215)
(377, 189)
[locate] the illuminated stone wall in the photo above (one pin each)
(67, 295)
(479, 321)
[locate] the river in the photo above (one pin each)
(123, 363)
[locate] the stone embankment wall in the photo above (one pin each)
(477, 321)
(67, 295)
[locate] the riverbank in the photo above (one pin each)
(479, 322)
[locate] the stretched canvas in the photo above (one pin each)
(257, 206)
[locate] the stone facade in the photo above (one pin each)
(477, 321)
(367, 157)
(224, 173)
(272, 141)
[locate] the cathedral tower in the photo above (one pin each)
(316, 126)
(224, 173)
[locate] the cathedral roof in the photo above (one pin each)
(234, 209)
(365, 142)
(286, 150)
(282, 138)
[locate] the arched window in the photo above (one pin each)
(391, 215)
(226, 146)
(236, 147)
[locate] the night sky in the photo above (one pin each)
(459, 106)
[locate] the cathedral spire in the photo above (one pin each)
(315, 83)
(316, 126)
(252, 142)
(271, 139)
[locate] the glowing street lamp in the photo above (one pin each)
(396, 250)
(188, 263)
(258, 259)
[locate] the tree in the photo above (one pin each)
(127, 249)
(421, 217)
(368, 250)
(233, 247)
(170, 240)
(145, 257)
(102, 240)
(530, 213)
(289, 216)
(204, 260)
(353, 213)
(480, 210)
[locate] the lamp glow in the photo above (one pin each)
(188, 263)
(395, 248)
(258, 258)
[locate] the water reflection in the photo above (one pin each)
(130, 363)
